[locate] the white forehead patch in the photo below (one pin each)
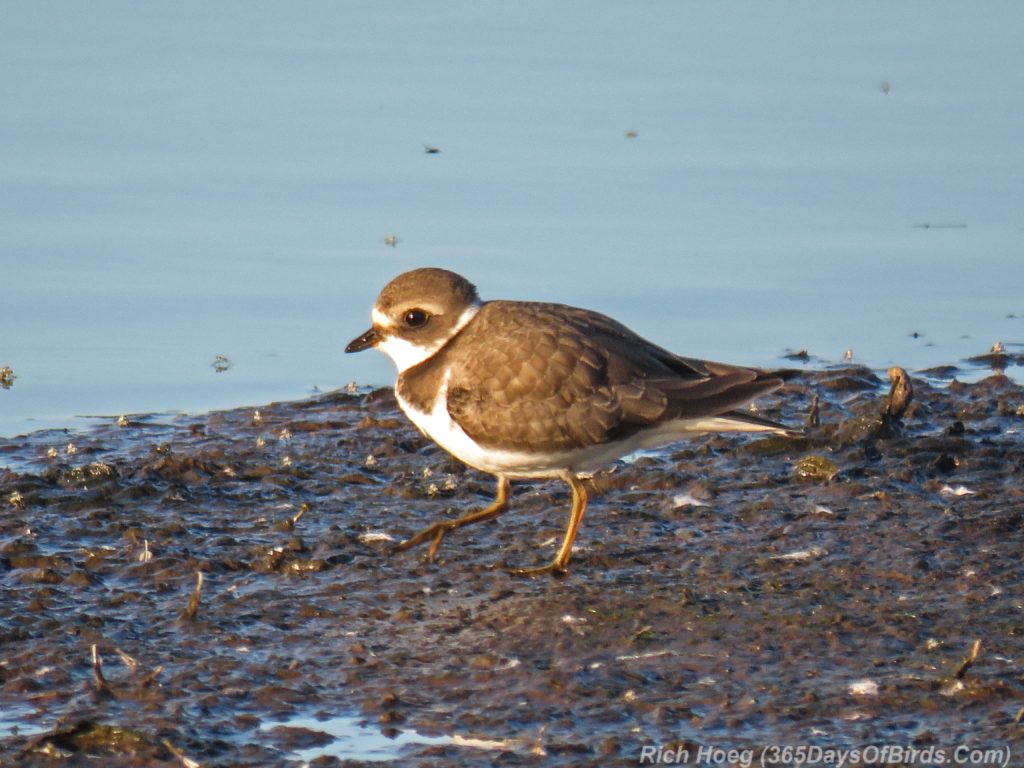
(380, 320)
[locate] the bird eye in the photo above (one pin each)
(416, 318)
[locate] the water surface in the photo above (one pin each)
(184, 181)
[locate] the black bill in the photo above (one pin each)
(367, 340)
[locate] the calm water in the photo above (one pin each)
(181, 181)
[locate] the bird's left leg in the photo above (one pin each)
(437, 530)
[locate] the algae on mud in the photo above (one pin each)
(838, 610)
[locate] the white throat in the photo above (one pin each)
(404, 353)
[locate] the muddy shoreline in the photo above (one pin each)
(730, 592)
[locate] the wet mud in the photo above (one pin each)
(216, 589)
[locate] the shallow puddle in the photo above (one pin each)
(18, 720)
(347, 738)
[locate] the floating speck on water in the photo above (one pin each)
(642, 656)
(122, 421)
(952, 688)
(7, 377)
(863, 688)
(687, 499)
(220, 364)
(810, 553)
(371, 536)
(391, 240)
(960, 490)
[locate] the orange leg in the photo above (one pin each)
(561, 562)
(440, 528)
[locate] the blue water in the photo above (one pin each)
(181, 181)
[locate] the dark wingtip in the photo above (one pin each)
(759, 424)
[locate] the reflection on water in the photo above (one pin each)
(348, 737)
(19, 720)
(353, 739)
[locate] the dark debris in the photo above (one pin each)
(718, 596)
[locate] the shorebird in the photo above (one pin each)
(535, 390)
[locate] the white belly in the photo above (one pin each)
(438, 425)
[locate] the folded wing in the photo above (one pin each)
(565, 379)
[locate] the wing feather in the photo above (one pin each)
(546, 389)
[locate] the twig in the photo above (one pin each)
(813, 416)
(288, 524)
(966, 664)
(97, 673)
(127, 660)
(189, 613)
(639, 634)
(186, 761)
(148, 680)
(303, 509)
